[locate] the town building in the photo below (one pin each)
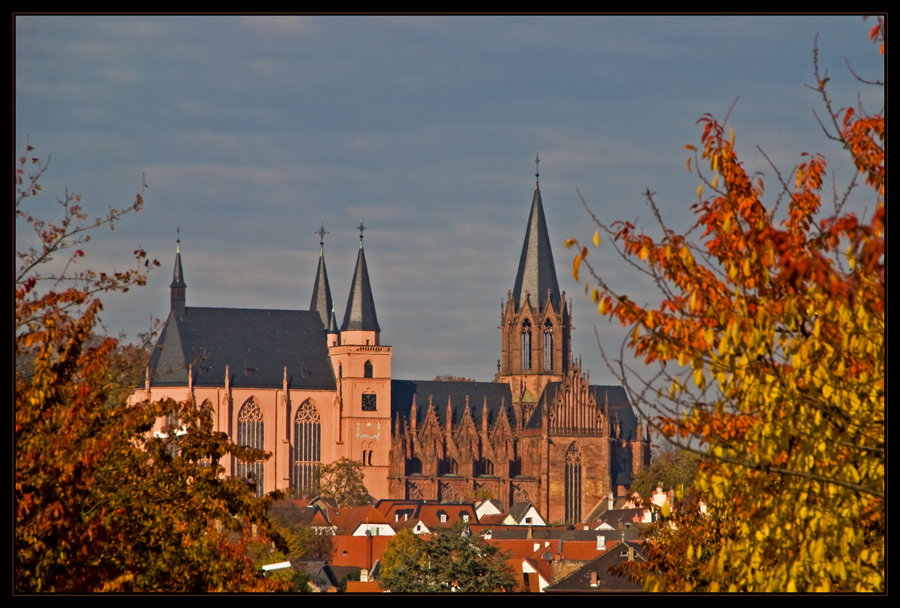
(293, 383)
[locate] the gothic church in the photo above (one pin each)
(292, 383)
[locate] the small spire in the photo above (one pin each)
(177, 287)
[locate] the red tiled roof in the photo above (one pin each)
(361, 551)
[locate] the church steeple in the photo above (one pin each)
(535, 324)
(536, 278)
(321, 296)
(360, 315)
(178, 287)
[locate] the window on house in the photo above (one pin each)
(368, 403)
(367, 369)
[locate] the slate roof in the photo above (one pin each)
(264, 341)
(360, 315)
(321, 297)
(536, 272)
(497, 394)
(580, 580)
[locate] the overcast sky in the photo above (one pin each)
(252, 132)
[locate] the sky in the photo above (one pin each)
(253, 132)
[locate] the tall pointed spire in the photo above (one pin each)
(321, 296)
(536, 278)
(360, 315)
(177, 289)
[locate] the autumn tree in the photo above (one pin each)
(769, 342)
(670, 467)
(100, 505)
(449, 561)
(344, 481)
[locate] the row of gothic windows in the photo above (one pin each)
(307, 449)
(548, 346)
(449, 466)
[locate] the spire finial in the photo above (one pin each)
(537, 160)
(321, 232)
(361, 228)
(177, 239)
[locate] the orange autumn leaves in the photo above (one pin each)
(770, 340)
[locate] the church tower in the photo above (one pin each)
(362, 367)
(535, 324)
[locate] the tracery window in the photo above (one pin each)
(307, 450)
(573, 484)
(251, 433)
(548, 346)
(367, 369)
(448, 466)
(526, 346)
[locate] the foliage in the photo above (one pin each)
(776, 325)
(99, 505)
(481, 493)
(670, 468)
(344, 481)
(300, 582)
(305, 542)
(449, 378)
(450, 561)
(353, 575)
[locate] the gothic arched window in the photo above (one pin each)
(307, 450)
(573, 484)
(251, 433)
(526, 346)
(548, 345)
(367, 369)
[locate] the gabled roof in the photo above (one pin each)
(536, 274)
(321, 296)
(594, 576)
(360, 315)
(498, 397)
(263, 341)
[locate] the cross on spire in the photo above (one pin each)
(537, 160)
(361, 229)
(321, 232)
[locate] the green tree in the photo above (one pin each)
(671, 468)
(99, 505)
(449, 561)
(344, 481)
(771, 338)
